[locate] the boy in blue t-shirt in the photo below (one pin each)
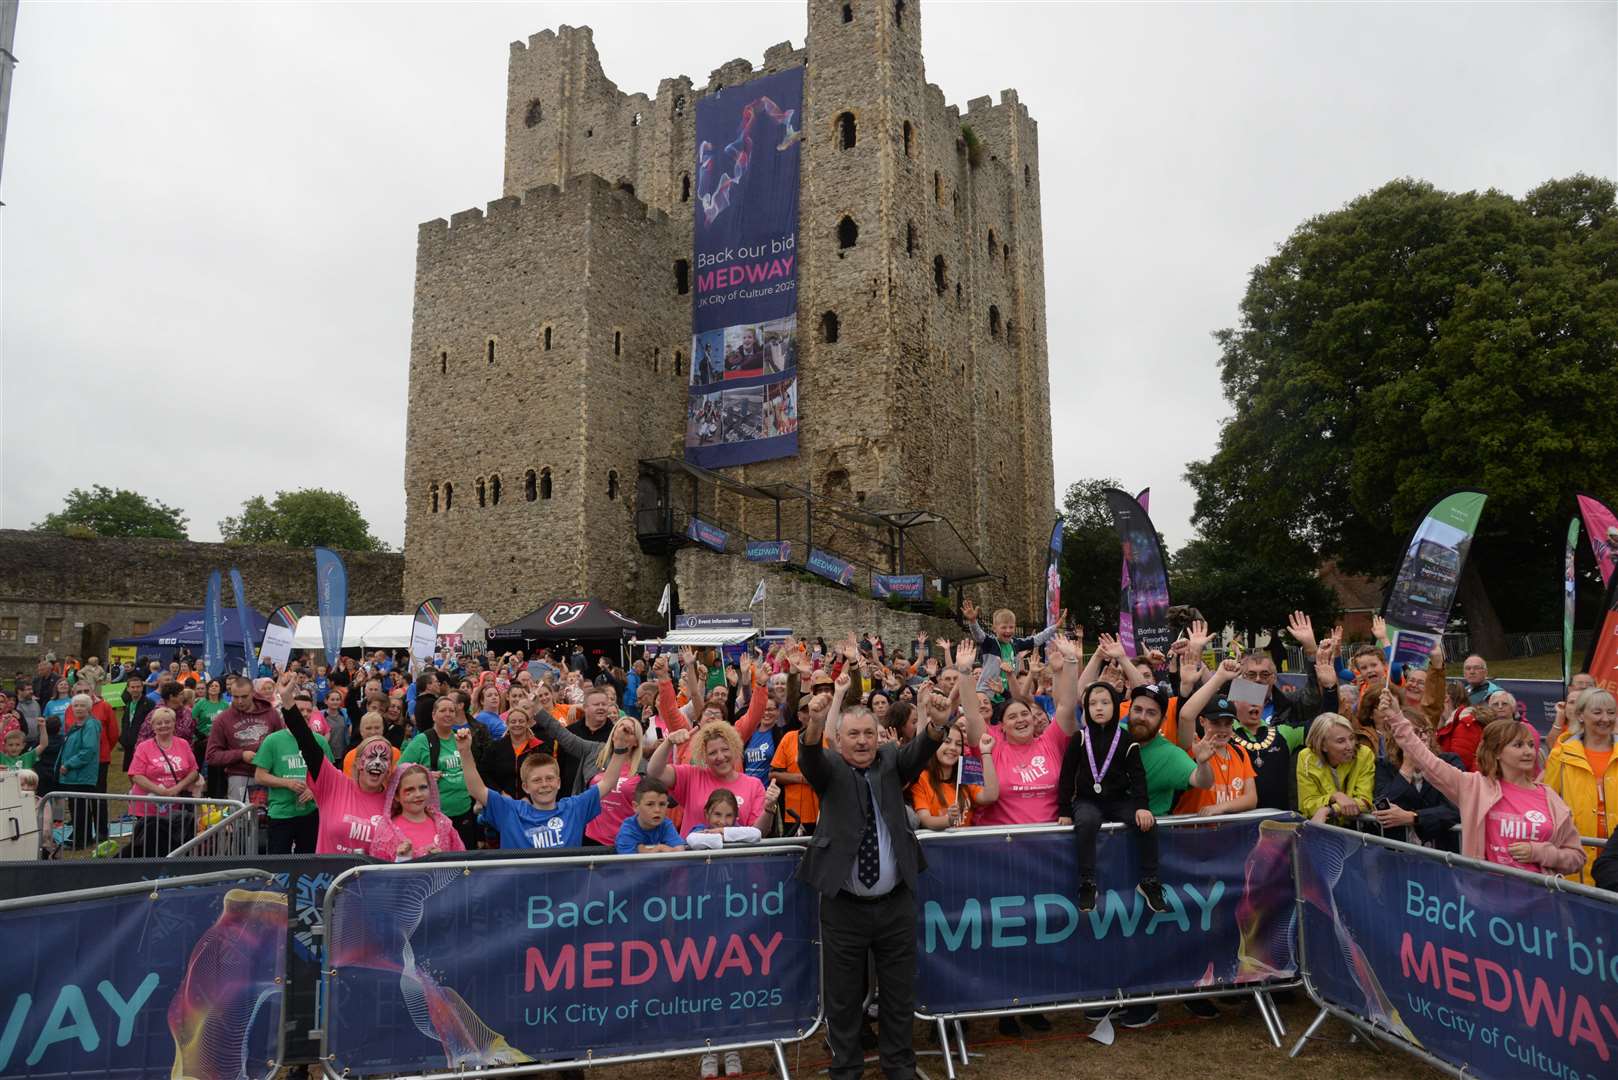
(542, 820)
(650, 829)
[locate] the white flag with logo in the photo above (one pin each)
(758, 594)
(663, 604)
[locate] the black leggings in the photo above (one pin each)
(1087, 819)
(294, 834)
(467, 827)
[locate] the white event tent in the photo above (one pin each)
(387, 631)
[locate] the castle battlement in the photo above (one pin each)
(601, 195)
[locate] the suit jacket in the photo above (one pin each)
(830, 856)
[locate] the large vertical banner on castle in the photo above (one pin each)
(743, 404)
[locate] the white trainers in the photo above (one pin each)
(710, 1066)
(733, 1063)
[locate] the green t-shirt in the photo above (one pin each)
(204, 711)
(278, 755)
(452, 796)
(24, 760)
(1168, 772)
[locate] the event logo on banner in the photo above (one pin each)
(1481, 969)
(1053, 576)
(1148, 580)
(331, 589)
(213, 627)
(424, 631)
(743, 403)
(829, 566)
(769, 551)
(249, 654)
(1418, 605)
(1601, 526)
(278, 632)
(998, 926)
(182, 981)
(904, 586)
(709, 536)
(506, 965)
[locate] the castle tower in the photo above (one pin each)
(922, 378)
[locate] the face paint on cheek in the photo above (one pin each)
(374, 760)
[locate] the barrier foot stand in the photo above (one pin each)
(949, 1054)
(781, 1060)
(960, 1039)
(1308, 1032)
(1272, 1020)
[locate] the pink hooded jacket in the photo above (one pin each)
(387, 836)
(1475, 795)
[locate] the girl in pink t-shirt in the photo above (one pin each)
(414, 825)
(719, 748)
(1028, 761)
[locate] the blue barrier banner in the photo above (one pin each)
(436, 969)
(707, 535)
(769, 551)
(1486, 970)
(904, 586)
(998, 924)
(829, 566)
(184, 981)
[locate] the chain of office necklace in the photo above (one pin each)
(1256, 749)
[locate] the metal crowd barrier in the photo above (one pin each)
(1259, 992)
(175, 827)
(1364, 1027)
(468, 867)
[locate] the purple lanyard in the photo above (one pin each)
(1089, 752)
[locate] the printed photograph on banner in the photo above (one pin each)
(707, 357)
(781, 408)
(780, 340)
(743, 414)
(1428, 577)
(702, 420)
(744, 352)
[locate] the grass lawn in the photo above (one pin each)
(1546, 666)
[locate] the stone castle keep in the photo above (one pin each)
(551, 337)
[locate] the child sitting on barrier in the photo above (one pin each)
(414, 825)
(649, 829)
(719, 817)
(1103, 779)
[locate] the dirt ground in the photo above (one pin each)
(1178, 1045)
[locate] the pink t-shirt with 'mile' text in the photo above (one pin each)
(1028, 776)
(694, 783)
(347, 814)
(1523, 815)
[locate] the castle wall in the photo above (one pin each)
(921, 401)
(55, 587)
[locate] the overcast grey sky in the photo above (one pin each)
(208, 242)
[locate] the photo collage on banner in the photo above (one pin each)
(743, 403)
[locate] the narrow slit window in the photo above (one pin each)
(530, 486)
(829, 328)
(434, 492)
(545, 483)
(547, 339)
(491, 350)
(846, 130)
(848, 232)
(449, 496)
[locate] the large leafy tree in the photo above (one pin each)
(105, 511)
(307, 518)
(1091, 557)
(1232, 586)
(1410, 343)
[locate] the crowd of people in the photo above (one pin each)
(681, 750)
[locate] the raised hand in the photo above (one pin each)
(1229, 668)
(772, 795)
(1203, 749)
(969, 611)
(403, 850)
(1379, 629)
(1435, 659)
(946, 646)
(986, 744)
(1108, 647)
(841, 683)
(1301, 627)
(688, 656)
(965, 654)
(680, 737)
(463, 739)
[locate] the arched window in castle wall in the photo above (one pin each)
(483, 493)
(657, 362)
(547, 339)
(612, 483)
(530, 485)
(899, 13)
(994, 321)
(848, 232)
(1027, 177)
(434, 490)
(545, 483)
(494, 490)
(846, 131)
(449, 496)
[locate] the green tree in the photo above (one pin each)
(106, 511)
(1410, 343)
(1092, 558)
(310, 517)
(1255, 595)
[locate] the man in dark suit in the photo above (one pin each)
(863, 860)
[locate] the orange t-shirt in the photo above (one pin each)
(1599, 760)
(799, 803)
(1233, 777)
(348, 760)
(1171, 721)
(924, 798)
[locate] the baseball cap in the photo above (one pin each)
(1155, 692)
(1222, 709)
